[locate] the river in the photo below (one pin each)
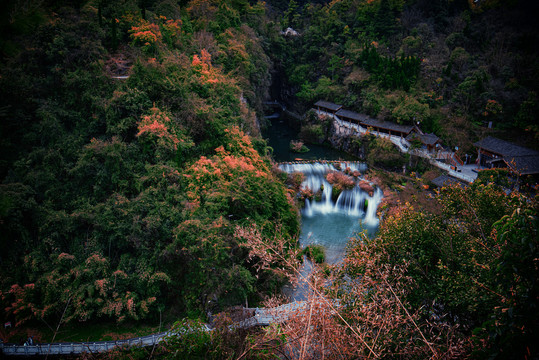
(280, 134)
(325, 221)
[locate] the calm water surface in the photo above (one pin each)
(332, 230)
(280, 134)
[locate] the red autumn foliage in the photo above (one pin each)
(160, 129)
(146, 34)
(357, 311)
(203, 67)
(340, 181)
(366, 186)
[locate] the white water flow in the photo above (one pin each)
(332, 222)
(355, 202)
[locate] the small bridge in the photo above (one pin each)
(74, 348)
(261, 317)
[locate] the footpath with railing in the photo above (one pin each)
(445, 160)
(260, 317)
(74, 348)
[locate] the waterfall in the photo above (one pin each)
(370, 216)
(350, 202)
(321, 168)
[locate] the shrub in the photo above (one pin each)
(295, 180)
(306, 194)
(382, 153)
(315, 253)
(496, 176)
(147, 36)
(340, 180)
(298, 146)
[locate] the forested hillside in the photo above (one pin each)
(120, 195)
(451, 66)
(135, 181)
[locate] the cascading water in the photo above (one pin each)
(331, 223)
(355, 202)
(325, 222)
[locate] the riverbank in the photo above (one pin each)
(400, 189)
(280, 133)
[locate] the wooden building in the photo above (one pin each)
(430, 142)
(350, 116)
(327, 107)
(496, 153)
(390, 128)
(383, 127)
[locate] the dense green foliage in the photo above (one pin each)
(119, 197)
(194, 343)
(381, 152)
(130, 155)
(390, 73)
(472, 263)
(315, 253)
(452, 66)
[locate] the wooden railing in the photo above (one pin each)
(74, 348)
(449, 158)
(458, 159)
(262, 317)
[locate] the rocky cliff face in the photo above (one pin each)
(351, 144)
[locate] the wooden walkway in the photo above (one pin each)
(262, 317)
(75, 348)
(463, 173)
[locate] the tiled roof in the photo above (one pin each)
(328, 105)
(445, 180)
(351, 115)
(520, 159)
(388, 125)
(524, 165)
(504, 148)
(427, 139)
(366, 121)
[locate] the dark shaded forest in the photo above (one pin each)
(451, 66)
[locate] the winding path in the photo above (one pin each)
(262, 317)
